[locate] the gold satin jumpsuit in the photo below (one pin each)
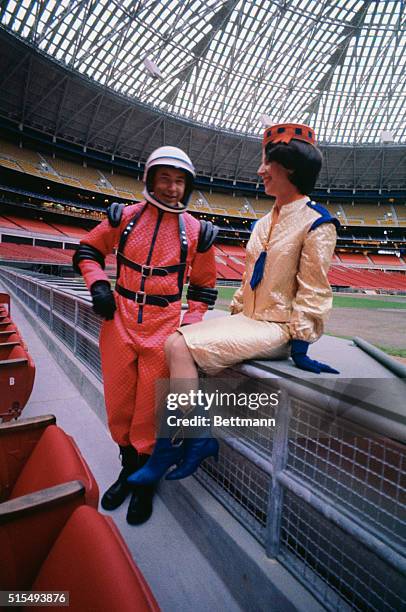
(292, 301)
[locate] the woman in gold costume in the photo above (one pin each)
(284, 298)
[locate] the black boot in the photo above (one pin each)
(118, 492)
(140, 506)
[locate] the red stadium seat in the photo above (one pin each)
(34, 225)
(224, 271)
(80, 552)
(7, 325)
(70, 230)
(386, 260)
(26, 252)
(17, 374)
(366, 279)
(354, 258)
(54, 459)
(232, 249)
(5, 304)
(91, 560)
(9, 336)
(29, 527)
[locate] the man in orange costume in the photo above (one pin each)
(157, 244)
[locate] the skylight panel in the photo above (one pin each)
(11, 7)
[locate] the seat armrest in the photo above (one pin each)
(40, 500)
(32, 423)
(29, 527)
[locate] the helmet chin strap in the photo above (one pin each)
(150, 197)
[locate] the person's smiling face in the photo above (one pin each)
(169, 185)
(275, 177)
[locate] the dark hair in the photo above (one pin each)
(303, 158)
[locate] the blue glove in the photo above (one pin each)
(302, 361)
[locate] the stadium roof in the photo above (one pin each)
(336, 64)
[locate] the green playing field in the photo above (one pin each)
(342, 301)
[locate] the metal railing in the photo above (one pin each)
(70, 317)
(324, 494)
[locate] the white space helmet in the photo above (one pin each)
(174, 158)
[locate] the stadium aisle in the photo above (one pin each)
(178, 574)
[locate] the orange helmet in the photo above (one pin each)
(285, 132)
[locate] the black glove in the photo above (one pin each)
(103, 300)
(302, 361)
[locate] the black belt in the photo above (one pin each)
(150, 270)
(140, 297)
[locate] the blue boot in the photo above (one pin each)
(196, 449)
(165, 455)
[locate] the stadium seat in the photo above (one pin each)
(5, 303)
(7, 325)
(37, 454)
(81, 552)
(340, 276)
(17, 371)
(29, 527)
(386, 260)
(354, 258)
(26, 252)
(9, 336)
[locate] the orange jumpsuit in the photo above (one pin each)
(131, 344)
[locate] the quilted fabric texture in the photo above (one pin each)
(131, 345)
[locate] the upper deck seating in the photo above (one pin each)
(357, 258)
(225, 204)
(21, 159)
(75, 171)
(368, 214)
(400, 213)
(386, 260)
(67, 172)
(127, 185)
(262, 206)
(199, 203)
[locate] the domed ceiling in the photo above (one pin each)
(338, 65)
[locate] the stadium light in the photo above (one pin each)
(152, 69)
(386, 136)
(266, 120)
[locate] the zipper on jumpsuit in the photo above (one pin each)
(147, 263)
